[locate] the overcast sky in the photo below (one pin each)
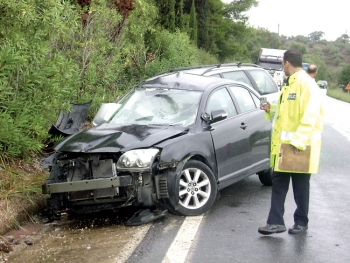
(302, 17)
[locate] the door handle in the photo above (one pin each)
(243, 126)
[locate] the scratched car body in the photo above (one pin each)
(172, 142)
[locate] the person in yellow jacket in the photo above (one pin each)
(295, 144)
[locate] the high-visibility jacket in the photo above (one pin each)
(298, 119)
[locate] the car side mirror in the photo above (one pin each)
(105, 113)
(218, 115)
(205, 117)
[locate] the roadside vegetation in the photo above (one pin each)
(339, 94)
(55, 53)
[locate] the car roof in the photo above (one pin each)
(202, 70)
(185, 81)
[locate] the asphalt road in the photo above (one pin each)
(229, 231)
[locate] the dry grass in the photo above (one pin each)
(20, 192)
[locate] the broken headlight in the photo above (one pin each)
(137, 160)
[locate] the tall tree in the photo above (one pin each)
(193, 24)
(171, 16)
(344, 38)
(344, 76)
(166, 16)
(203, 19)
(237, 8)
(231, 33)
(316, 36)
(179, 19)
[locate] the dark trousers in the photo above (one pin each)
(301, 191)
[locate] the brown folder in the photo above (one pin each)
(289, 161)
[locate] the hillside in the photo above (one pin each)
(329, 56)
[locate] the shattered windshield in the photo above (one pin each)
(152, 106)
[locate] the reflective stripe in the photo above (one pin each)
(288, 136)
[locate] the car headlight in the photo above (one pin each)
(137, 160)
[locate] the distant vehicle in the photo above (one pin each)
(305, 66)
(323, 84)
(272, 61)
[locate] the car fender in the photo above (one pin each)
(199, 146)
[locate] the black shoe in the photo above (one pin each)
(271, 229)
(296, 229)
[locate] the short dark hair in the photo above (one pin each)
(294, 57)
(312, 69)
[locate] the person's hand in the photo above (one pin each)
(266, 108)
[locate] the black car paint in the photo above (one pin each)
(114, 138)
(201, 141)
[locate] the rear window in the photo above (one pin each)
(238, 75)
(264, 82)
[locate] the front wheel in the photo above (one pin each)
(197, 189)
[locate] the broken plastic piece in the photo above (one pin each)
(71, 122)
(145, 216)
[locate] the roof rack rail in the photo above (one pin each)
(210, 67)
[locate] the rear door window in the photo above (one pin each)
(264, 81)
(244, 98)
(238, 75)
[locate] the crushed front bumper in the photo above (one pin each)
(100, 183)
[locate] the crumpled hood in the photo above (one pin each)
(115, 138)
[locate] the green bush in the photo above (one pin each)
(54, 53)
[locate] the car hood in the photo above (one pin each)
(115, 138)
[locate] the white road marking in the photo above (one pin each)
(178, 250)
(132, 244)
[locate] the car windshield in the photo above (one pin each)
(158, 106)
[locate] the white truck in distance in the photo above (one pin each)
(272, 61)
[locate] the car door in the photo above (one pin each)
(230, 138)
(259, 128)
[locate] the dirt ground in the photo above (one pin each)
(100, 238)
(24, 237)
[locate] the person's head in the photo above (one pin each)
(292, 61)
(312, 70)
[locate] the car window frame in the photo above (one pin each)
(230, 95)
(251, 93)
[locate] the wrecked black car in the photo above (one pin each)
(170, 143)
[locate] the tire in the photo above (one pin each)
(197, 189)
(265, 177)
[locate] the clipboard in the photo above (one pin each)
(289, 161)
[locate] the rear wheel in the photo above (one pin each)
(265, 177)
(197, 189)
